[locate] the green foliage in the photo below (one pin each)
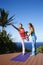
(28, 50)
(40, 49)
(4, 20)
(6, 44)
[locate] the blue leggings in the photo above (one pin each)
(33, 45)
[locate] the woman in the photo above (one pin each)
(23, 35)
(33, 36)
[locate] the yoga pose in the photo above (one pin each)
(23, 35)
(32, 33)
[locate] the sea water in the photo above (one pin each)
(28, 45)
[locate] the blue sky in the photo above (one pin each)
(25, 11)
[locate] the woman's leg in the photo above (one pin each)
(23, 47)
(34, 47)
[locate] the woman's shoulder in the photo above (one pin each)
(21, 28)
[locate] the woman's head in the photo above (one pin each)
(20, 25)
(30, 25)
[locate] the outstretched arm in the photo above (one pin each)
(14, 26)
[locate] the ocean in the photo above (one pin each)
(29, 45)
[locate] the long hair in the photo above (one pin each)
(31, 25)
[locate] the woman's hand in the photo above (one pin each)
(28, 33)
(10, 24)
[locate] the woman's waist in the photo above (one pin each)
(34, 37)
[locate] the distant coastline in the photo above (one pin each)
(28, 45)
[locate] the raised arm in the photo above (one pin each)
(14, 26)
